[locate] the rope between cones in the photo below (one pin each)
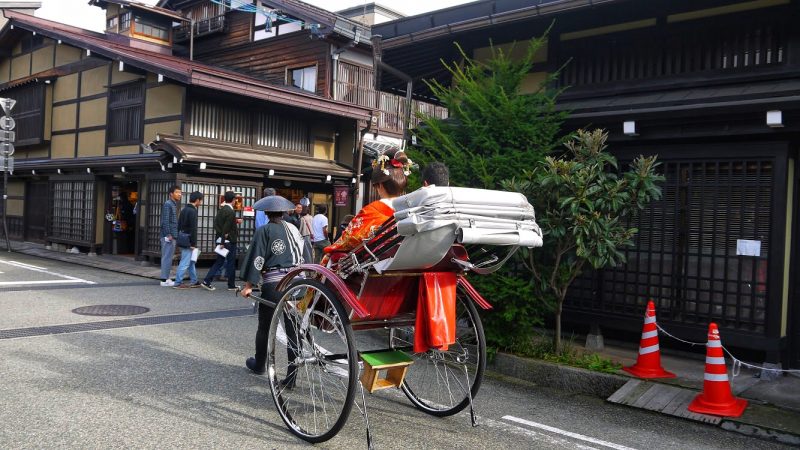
(737, 363)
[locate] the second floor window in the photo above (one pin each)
(111, 23)
(304, 78)
(267, 26)
(124, 21)
(125, 115)
(28, 113)
(151, 29)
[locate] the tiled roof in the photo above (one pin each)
(329, 21)
(143, 7)
(181, 69)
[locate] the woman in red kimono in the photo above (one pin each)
(389, 177)
(435, 319)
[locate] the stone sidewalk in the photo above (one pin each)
(114, 263)
(782, 392)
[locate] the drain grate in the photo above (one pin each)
(122, 323)
(110, 310)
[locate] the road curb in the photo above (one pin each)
(564, 378)
(575, 380)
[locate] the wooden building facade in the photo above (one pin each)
(107, 122)
(303, 46)
(711, 89)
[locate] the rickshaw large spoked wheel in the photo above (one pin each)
(436, 382)
(312, 362)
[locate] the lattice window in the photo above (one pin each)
(205, 214)
(220, 123)
(158, 192)
(355, 84)
(27, 114)
(684, 255)
(282, 133)
(126, 118)
(72, 211)
(682, 50)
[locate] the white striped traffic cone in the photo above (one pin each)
(648, 364)
(716, 398)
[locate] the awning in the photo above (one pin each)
(375, 149)
(245, 159)
(726, 98)
(49, 74)
(79, 165)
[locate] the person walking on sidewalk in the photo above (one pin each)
(187, 225)
(169, 231)
(294, 216)
(227, 235)
(305, 233)
(319, 232)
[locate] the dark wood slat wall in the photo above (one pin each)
(677, 51)
(28, 113)
(237, 31)
(270, 58)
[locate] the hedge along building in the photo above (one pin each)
(107, 117)
(711, 88)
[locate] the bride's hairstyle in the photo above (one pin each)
(391, 170)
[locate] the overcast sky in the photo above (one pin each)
(79, 13)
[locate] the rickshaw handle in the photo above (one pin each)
(332, 280)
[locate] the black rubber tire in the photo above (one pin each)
(421, 404)
(353, 366)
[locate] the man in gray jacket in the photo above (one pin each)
(169, 232)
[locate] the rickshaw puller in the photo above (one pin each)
(275, 249)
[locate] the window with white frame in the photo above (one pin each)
(304, 78)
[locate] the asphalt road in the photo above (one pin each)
(181, 383)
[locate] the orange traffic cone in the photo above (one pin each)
(648, 364)
(716, 398)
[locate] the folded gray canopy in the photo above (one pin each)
(434, 218)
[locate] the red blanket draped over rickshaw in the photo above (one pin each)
(435, 326)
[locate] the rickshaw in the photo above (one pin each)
(315, 361)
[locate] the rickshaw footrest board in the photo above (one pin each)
(395, 364)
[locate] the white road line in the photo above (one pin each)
(22, 264)
(43, 270)
(566, 433)
(26, 283)
(502, 426)
(539, 437)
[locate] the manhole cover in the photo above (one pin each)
(110, 310)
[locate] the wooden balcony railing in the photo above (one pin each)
(201, 28)
(392, 107)
(354, 85)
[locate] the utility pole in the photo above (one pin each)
(7, 137)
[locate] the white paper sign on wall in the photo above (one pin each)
(747, 247)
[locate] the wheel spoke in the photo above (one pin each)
(435, 382)
(311, 362)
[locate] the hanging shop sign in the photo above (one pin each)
(341, 194)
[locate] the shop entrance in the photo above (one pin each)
(36, 205)
(121, 212)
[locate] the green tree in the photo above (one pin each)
(583, 205)
(494, 129)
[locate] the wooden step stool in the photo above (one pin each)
(394, 362)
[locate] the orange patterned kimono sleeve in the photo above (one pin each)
(362, 227)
